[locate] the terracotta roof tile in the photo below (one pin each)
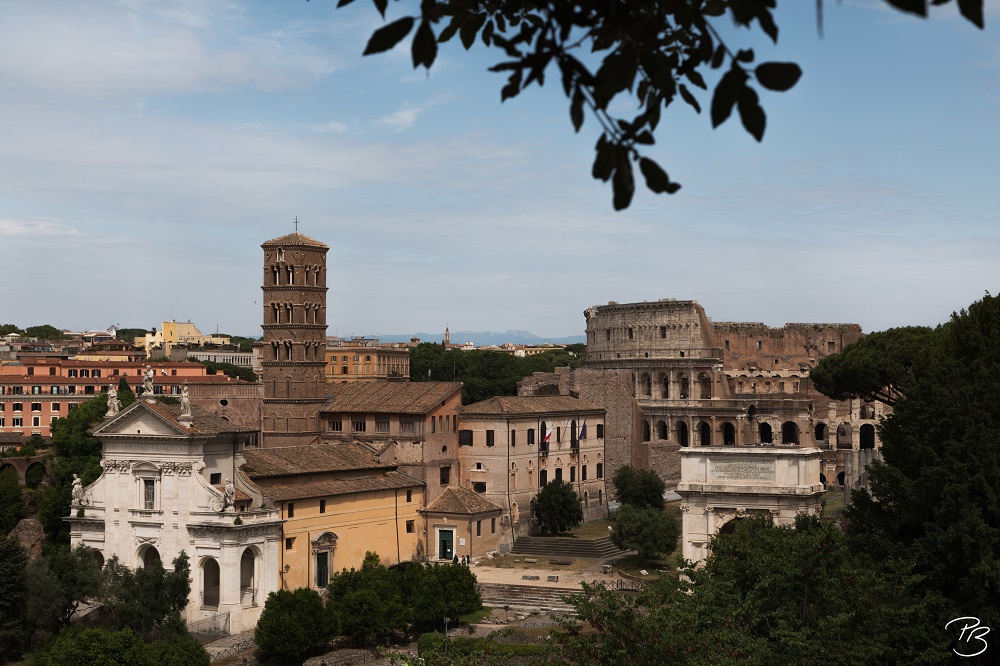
(203, 422)
(389, 397)
(293, 460)
(528, 405)
(359, 484)
(293, 239)
(458, 500)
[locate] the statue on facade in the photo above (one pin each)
(185, 402)
(230, 494)
(114, 404)
(77, 492)
(147, 381)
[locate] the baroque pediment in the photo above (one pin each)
(139, 419)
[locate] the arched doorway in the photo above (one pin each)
(822, 479)
(685, 387)
(664, 385)
(867, 436)
(149, 556)
(34, 475)
(819, 432)
(789, 433)
(705, 434)
(766, 434)
(705, 384)
(98, 558)
(646, 384)
(730, 526)
(728, 434)
(661, 430)
(682, 433)
(646, 436)
(840, 479)
(248, 589)
(600, 497)
(844, 436)
(210, 579)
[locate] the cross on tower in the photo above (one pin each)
(296, 224)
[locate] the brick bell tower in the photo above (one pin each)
(294, 344)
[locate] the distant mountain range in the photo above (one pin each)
(484, 338)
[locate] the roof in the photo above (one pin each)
(456, 499)
(389, 397)
(295, 238)
(390, 480)
(516, 405)
(311, 459)
(202, 422)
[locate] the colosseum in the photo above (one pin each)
(699, 382)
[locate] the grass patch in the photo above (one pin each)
(595, 529)
(476, 617)
(834, 504)
(633, 564)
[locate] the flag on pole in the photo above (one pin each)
(583, 430)
(546, 432)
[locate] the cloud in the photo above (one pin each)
(25, 228)
(402, 120)
(330, 127)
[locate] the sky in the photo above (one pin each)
(148, 148)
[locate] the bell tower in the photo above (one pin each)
(294, 344)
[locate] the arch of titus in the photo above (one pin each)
(722, 483)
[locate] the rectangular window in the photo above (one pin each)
(758, 344)
(607, 334)
(583, 473)
(215, 479)
(489, 437)
(322, 569)
(36, 406)
(543, 477)
(493, 525)
(55, 406)
(343, 369)
(17, 422)
(358, 424)
(445, 476)
(335, 425)
(600, 470)
(18, 407)
(410, 527)
(572, 474)
(558, 434)
(289, 543)
(36, 390)
(148, 494)
(381, 424)
(36, 421)
(631, 333)
(407, 425)
(409, 495)
(726, 345)
(558, 473)
(465, 438)
(513, 437)
(291, 509)
(531, 435)
(831, 346)
(1, 422)
(479, 528)
(795, 386)
(52, 371)
(322, 506)
(433, 425)
(781, 386)
(31, 371)
(72, 406)
(663, 331)
(600, 431)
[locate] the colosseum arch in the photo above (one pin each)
(789, 432)
(682, 433)
(728, 434)
(867, 436)
(661, 429)
(704, 434)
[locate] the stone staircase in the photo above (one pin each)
(526, 598)
(596, 549)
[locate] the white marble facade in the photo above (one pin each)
(161, 493)
(722, 483)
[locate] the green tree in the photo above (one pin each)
(45, 601)
(766, 595)
(177, 651)
(367, 603)
(640, 488)
(230, 370)
(934, 497)
(125, 393)
(293, 624)
(458, 584)
(878, 367)
(95, 646)
(651, 532)
(557, 507)
(639, 55)
(13, 597)
(12, 507)
(77, 575)
(7, 329)
(146, 598)
(44, 332)
(130, 334)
